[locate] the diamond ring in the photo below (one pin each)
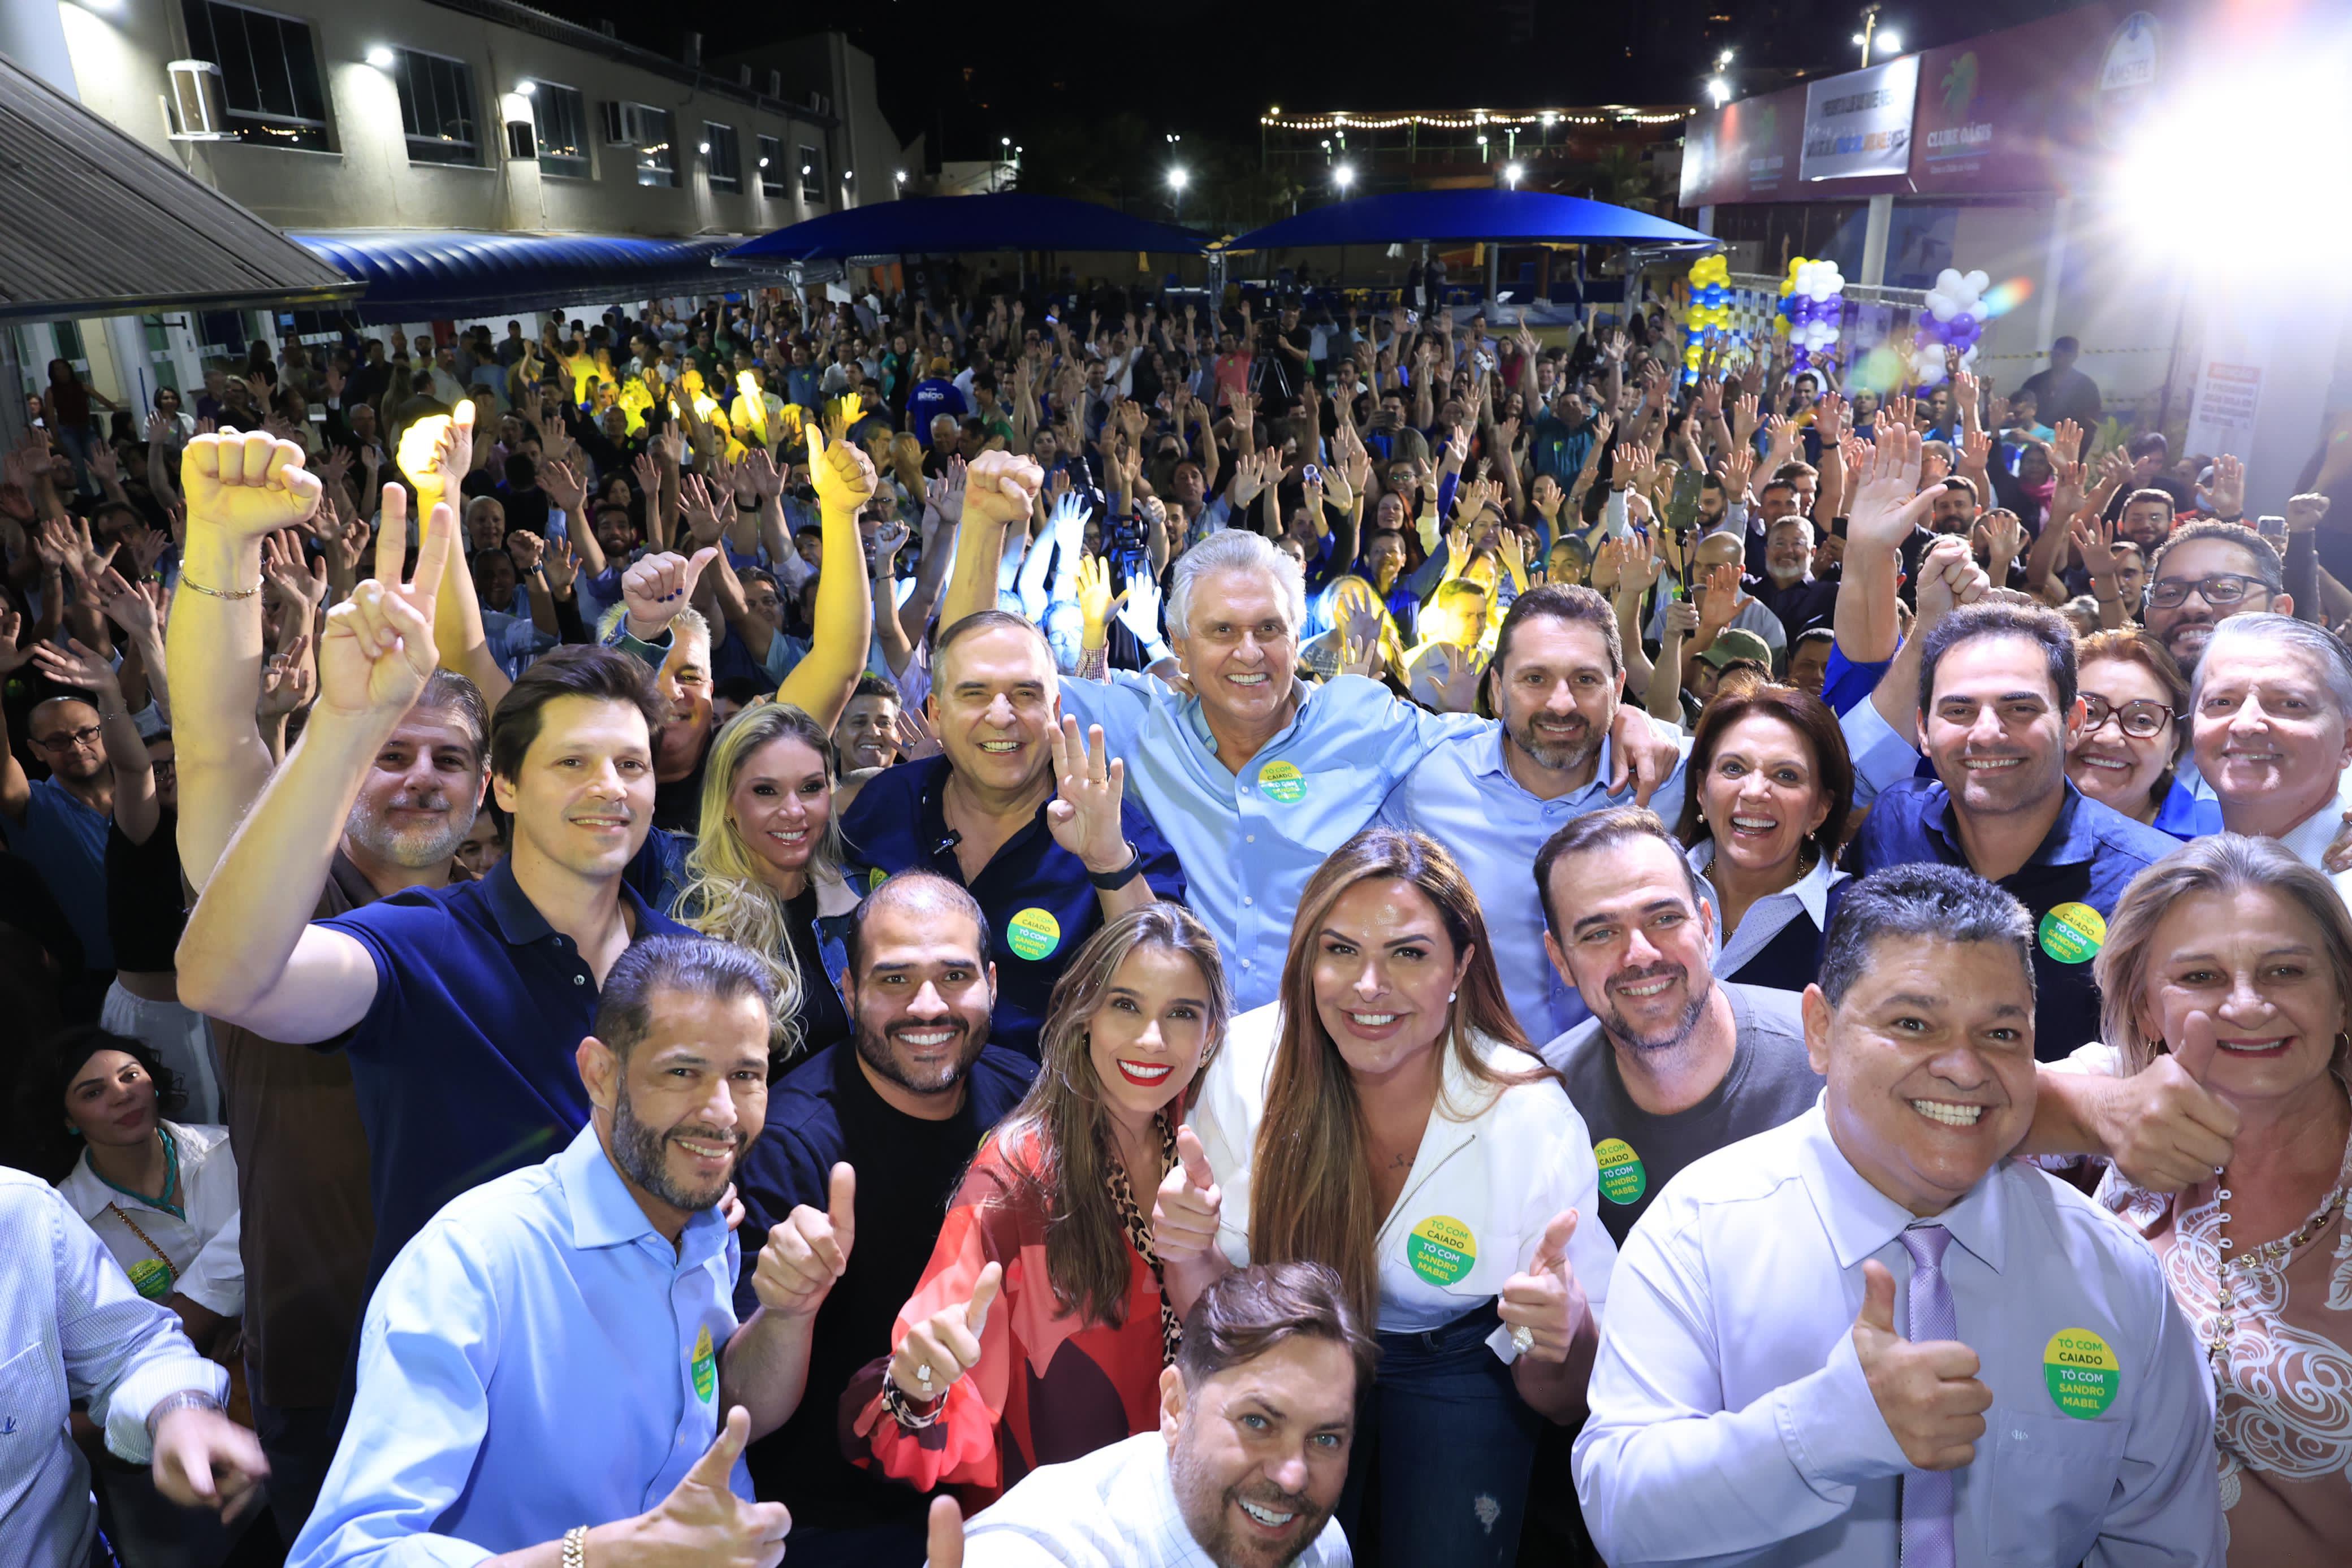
(1523, 1339)
(923, 1374)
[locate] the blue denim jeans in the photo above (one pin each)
(1444, 1448)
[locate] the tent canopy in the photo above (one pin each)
(916, 226)
(93, 223)
(415, 275)
(1526, 216)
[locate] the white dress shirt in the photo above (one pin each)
(1732, 1422)
(72, 1328)
(200, 1242)
(1114, 1509)
(1493, 1168)
(2308, 839)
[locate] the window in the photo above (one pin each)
(771, 166)
(562, 115)
(657, 154)
(270, 73)
(723, 159)
(811, 176)
(437, 107)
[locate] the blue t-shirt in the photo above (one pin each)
(66, 843)
(929, 400)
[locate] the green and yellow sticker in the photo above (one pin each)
(2072, 933)
(876, 878)
(1032, 934)
(1440, 1250)
(706, 1366)
(152, 1277)
(1623, 1179)
(2081, 1373)
(1282, 781)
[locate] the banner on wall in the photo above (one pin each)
(1859, 123)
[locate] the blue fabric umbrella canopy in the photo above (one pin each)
(1525, 217)
(413, 275)
(943, 225)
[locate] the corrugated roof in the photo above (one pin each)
(92, 223)
(415, 275)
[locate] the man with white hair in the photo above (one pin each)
(1251, 774)
(2270, 728)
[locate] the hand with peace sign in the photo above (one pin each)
(377, 650)
(1084, 815)
(1543, 1306)
(945, 1346)
(809, 1252)
(702, 1521)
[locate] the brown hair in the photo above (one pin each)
(1310, 1182)
(2223, 863)
(1061, 1124)
(1815, 725)
(1251, 1310)
(2131, 646)
(600, 675)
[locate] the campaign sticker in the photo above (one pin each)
(2072, 933)
(1440, 1250)
(152, 1277)
(1032, 934)
(1623, 1179)
(2080, 1371)
(706, 1366)
(1282, 781)
(876, 878)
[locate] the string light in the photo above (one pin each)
(1337, 120)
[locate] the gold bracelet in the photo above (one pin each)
(187, 581)
(575, 1547)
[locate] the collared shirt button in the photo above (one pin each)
(1246, 964)
(1249, 838)
(579, 980)
(1246, 902)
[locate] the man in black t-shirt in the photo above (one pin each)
(904, 1104)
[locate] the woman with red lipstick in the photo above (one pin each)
(2227, 984)
(1041, 1327)
(1387, 1118)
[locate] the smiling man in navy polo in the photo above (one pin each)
(1997, 706)
(460, 1006)
(1022, 810)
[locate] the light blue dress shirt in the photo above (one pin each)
(1248, 844)
(71, 1327)
(1732, 1422)
(1463, 795)
(533, 1359)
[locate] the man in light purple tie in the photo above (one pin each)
(1872, 1337)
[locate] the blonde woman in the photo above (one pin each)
(765, 870)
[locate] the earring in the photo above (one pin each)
(1450, 994)
(72, 1131)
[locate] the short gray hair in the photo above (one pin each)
(1235, 550)
(2326, 650)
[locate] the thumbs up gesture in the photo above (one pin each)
(946, 1346)
(809, 1252)
(1184, 1217)
(1928, 1392)
(1546, 1300)
(843, 476)
(2163, 1128)
(702, 1521)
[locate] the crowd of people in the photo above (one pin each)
(1002, 927)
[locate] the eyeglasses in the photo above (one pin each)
(2221, 587)
(2142, 720)
(86, 735)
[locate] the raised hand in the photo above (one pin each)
(566, 487)
(1682, 619)
(300, 587)
(14, 655)
(1738, 467)
(658, 585)
(702, 1520)
(1185, 1215)
(1545, 1300)
(1140, 612)
(2094, 542)
(81, 667)
(1084, 815)
(1887, 501)
(2226, 498)
(67, 540)
(1001, 487)
(945, 1346)
(1097, 603)
(377, 650)
(289, 681)
(915, 735)
(436, 453)
(2163, 1128)
(807, 1255)
(1948, 578)
(1927, 1392)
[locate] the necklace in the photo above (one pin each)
(2226, 1287)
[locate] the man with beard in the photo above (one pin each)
(1789, 589)
(1493, 797)
(458, 1005)
(904, 1104)
(1997, 707)
(1256, 1415)
(2206, 572)
(560, 1344)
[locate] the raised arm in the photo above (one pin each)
(136, 810)
(999, 490)
(239, 488)
(250, 954)
(1887, 505)
(843, 627)
(436, 453)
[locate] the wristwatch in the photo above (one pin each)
(1112, 880)
(185, 1399)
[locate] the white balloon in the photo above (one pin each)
(1949, 282)
(1977, 282)
(1941, 308)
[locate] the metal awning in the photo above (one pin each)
(94, 223)
(417, 274)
